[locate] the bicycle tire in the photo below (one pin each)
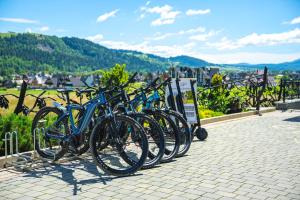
(98, 134)
(155, 138)
(170, 133)
(184, 132)
(64, 147)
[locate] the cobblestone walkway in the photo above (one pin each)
(250, 158)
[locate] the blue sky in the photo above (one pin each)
(231, 31)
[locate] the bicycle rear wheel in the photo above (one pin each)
(48, 120)
(119, 147)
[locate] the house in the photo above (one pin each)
(37, 81)
(9, 84)
(76, 81)
(202, 74)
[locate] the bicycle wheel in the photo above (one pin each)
(47, 120)
(119, 147)
(155, 136)
(184, 132)
(170, 131)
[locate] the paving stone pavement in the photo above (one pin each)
(250, 158)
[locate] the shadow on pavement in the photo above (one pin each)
(293, 119)
(65, 172)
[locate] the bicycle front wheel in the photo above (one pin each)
(119, 147)
(170, 131)
(155, 136)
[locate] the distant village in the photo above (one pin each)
(203, 75)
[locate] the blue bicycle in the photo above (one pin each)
(169, 127)
(117, 142)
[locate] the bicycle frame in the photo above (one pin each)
(89, 107)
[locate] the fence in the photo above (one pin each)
(258, 91)
(289, 89)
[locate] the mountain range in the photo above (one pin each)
(31, 52)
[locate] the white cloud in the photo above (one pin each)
(190, 50)
(248, 57)
(160, 21)
(194, 30)
(191, 12)
(96, 38)
(223, 44)
(204, 37)
(254, 39)
(160, 36)
(295, 20)
(19, 20)
(142, 16)
(44, 28)
(147, 3)
(108, 15)
(167, 15)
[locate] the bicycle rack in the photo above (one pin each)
(27, 162)
(23, 161)
(16, 159)
(36, 134)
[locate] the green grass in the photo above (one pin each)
(206, 113)
(29, 101)
(29, 91)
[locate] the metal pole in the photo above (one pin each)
(284, 91)
(280, 90)
(298, 88)
(181, 106)
(6, 140)
(16, 137)
(11, 142)
(195, 102)
(172, 103)
(260, 93)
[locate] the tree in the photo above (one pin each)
(115, 76)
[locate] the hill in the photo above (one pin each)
(189, 61)
(30, 52)
(286, 66)
(36, 52)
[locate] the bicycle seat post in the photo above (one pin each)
(67, 97)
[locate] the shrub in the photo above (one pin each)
(19, 123)
(206, 113)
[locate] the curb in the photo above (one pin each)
(235, 116)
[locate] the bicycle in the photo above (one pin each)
(170, 130)
(155, 135)
(181, 122)
(110, 143)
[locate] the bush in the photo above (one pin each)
(19, 123)
(206, 113)
(223, 98)
(114, 76)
